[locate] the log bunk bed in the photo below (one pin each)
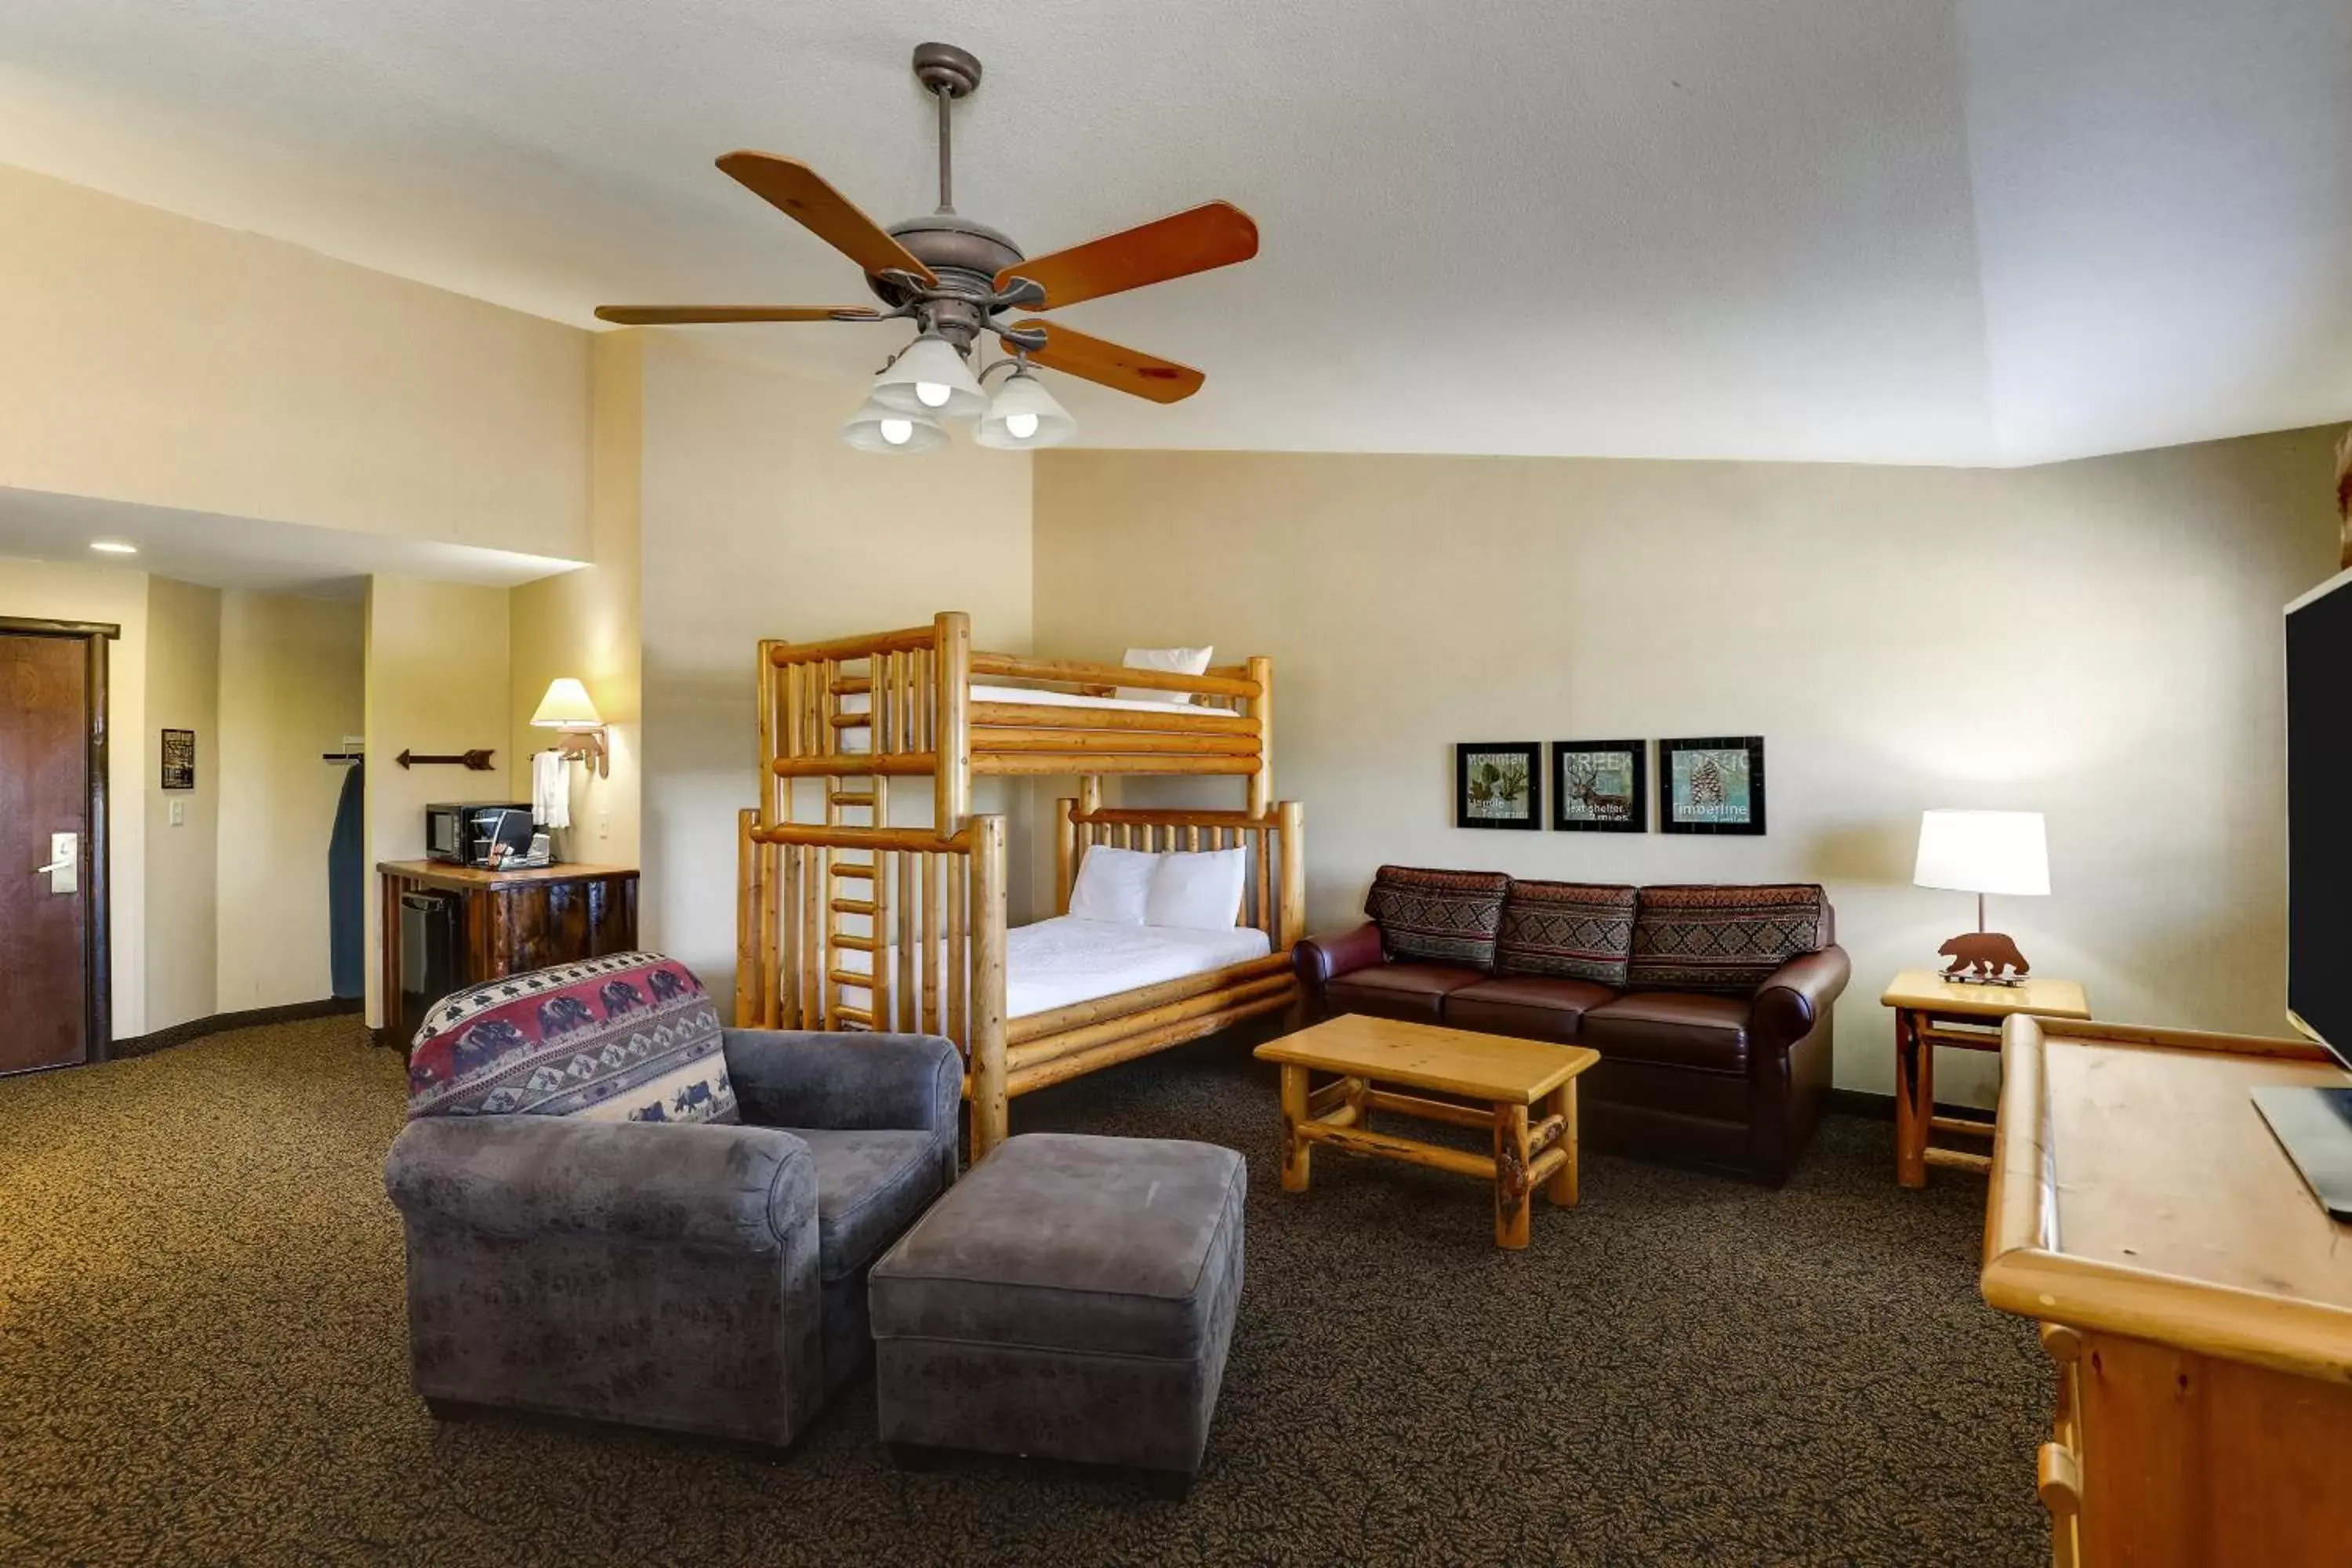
(848, 919)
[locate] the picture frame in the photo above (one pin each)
(1711, 785)
(1498, 785)
(1601, 787)
(179, 758)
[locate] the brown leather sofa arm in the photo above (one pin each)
(1320, 960)
(1800, 994)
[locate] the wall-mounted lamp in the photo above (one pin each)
(566, 707)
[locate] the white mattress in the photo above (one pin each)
(1057, 961)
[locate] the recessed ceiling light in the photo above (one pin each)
(113, 547)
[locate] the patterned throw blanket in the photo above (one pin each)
(630, 1037)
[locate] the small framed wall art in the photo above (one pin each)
(1713, 785)
(1498, 783)
(179, 758)
(1601, 787)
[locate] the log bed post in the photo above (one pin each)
(1292, 925)
(991, 1114)
(1261, 784)
(952, 712)
(1065, 853)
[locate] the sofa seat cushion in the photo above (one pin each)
(1579, 930)
(1438, 917)
(1531, 1006)
(1410, 990)
(629, 1038)
(870, 1187)
(1673, 1028)
(1724, 939)
(1071, 1242)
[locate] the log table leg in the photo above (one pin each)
(1511, 1176)
(1562, 1188)
(1915, 1098)
(1297, 1151)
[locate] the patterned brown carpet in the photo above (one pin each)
(202, 1360)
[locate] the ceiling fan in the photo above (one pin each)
(957, 279)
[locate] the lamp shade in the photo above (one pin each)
(1025, 415)
(1983, 852)
(877, 428)
(566, 706)
(932, 380)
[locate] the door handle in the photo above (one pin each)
(65, 862)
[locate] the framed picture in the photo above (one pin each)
(1711, 786)
(1498, 783)
(1601, 787)
(179, 758)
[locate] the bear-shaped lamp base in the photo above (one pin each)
(1984, 958)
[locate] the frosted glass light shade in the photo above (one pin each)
(877, 428)
(1983, 852)
(566, 706)
(1024, 416)
(930, 379)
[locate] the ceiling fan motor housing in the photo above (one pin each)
(966, 256)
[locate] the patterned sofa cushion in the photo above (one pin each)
(1438, 917)
(632, 1037)
(1724, 940)
(1582, 931)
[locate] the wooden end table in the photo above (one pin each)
(1506, 1075)
(1931, 1011)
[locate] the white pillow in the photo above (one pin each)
(1177, 660)
(1198, 890)
(1112, 885)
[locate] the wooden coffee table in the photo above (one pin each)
(1506, 1076)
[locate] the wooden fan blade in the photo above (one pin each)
(1214, 234)
(795, 190)
(687, 315)
(1108, 364)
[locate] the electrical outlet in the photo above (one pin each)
(179, 815)
(603, 824)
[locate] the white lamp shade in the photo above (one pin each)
(1024, 416)
(877, 428)
(566, 706)
(1983, 852)
(930, 379)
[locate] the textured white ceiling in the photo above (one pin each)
(1869, 230)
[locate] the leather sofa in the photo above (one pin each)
(1712, 1012)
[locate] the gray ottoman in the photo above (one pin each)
(1072, 1299)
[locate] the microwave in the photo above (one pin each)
(462, 832)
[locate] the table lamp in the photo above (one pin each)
(1983, 852)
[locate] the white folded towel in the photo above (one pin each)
(550, 790)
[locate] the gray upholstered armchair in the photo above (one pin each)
(699, 1278)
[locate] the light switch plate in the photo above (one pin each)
(179, 814)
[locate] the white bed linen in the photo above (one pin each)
(856, 701)
(1057, 961)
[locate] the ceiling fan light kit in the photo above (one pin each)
(875, 428)
(1024, 416)
(956, 279)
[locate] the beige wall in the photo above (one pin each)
(153, 358)
(2095, 640)
(758, 522)
(291, 687)
(438, 682)
(183, 866)
(586, 622)
(72, 591)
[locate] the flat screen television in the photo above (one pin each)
(2315, 1125)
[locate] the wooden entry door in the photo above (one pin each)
(53, 962)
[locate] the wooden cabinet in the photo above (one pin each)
(2195, 1298)
(511, 921)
